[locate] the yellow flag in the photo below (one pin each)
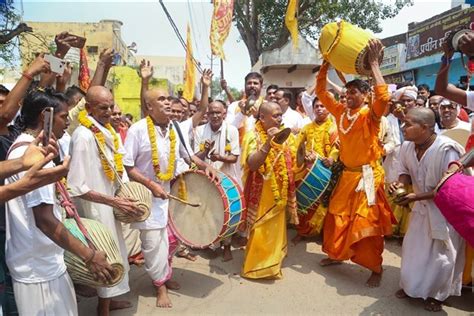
(189, 79)
(291, 21)
(220, 25)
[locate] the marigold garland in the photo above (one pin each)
(109, 173)
(273, 167)
(155, 158)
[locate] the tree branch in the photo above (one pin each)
(21, 28)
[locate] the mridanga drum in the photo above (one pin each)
(102, 239)
(138, 192)
(313, 186)
(344, 46)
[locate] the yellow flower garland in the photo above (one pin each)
(154, 152)
(109, 173)
(274, 166)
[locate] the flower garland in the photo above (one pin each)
(154, 152)
(350, 118)
(227, 148)
(273, 167)
(109, 173)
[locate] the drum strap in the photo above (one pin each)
(68, 205)
(181, 139)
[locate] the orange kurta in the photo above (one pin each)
(353, 229)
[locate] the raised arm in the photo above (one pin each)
(103, 67)
(224, 87)
(206, 81)
(11, 105)
(382, 96)
(442, 87)
(321, 91)
(146, 72)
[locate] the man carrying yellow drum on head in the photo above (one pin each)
(358, 215)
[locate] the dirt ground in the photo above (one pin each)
(212, 287)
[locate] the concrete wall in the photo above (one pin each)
(103, 34)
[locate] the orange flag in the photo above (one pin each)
(84, 77)
(189, 78)
(220, 25)
(291, 21)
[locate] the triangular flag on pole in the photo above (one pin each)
(291, 21)
(220, 25)
(189, 80)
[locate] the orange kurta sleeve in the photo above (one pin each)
(382, 97)
(323, 94)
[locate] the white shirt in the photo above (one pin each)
(226, 134)
(138, 154)
(292, 119)
(307, 101)
(235, 117)
(30, 255)
(470, 100)
(187, 131)
(63, 144)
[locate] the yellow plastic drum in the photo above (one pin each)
(344, 46)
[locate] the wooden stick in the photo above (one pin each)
(183, 201)
(222, 69)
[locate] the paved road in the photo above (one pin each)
(212, 287)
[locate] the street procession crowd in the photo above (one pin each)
(87, 191)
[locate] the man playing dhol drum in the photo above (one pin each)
(269, 190)
(153, 158)
(358, 215)
(217, 143)
(320, 138)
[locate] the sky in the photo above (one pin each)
(145, 23)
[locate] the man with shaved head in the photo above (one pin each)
(93, 182)
(432, 251)
(155, 155)
(269, 174)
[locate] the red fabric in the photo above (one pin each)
(463, 116)
(84, 76)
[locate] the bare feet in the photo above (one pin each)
(172, 285)
(433, 305)
(401, 294)
(227, 255)
(162, 298)
(297, 239)
(329, 262)
(374, 279)
(186, 255)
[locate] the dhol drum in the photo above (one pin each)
(102, 240)
(345, 46)
(217, 217)
(313, 186)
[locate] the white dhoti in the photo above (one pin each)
(55, 297)
(431, 267)
(132, 239)
(155, 250)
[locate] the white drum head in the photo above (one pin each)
(197, 226)
(457, 134)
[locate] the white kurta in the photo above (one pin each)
(226, 134)
(432, 251)
(390, 163)
(153, 231)
(86, 174)
(36, 263)
(235, 117)
(292, 119)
